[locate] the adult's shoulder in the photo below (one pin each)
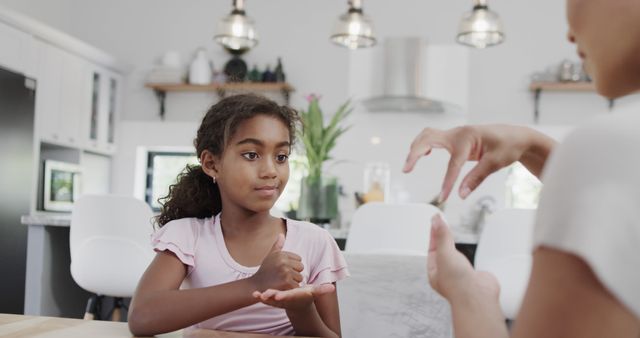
(604, 147)
(589, 203)
(605, 133)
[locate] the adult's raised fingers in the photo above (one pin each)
(486, 166)
(422, 146)
(458, 158)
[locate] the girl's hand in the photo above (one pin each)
(493, 146)
(279, 270)
(450, 272)
(297, 299)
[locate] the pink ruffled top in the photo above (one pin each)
(199, 244)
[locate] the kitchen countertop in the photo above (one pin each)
(51, 219)
(64, 220)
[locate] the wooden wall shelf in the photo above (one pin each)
(538, 87)
(563, 86)
(221, 89)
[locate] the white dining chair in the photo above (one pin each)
(110, 247)
(505, 250)
(386, 228)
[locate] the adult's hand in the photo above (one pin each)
(493, 146)
(450, 272)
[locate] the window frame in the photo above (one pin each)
(151, 154)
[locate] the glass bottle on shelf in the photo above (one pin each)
(255, 75)
(279, 72)
(268, 75)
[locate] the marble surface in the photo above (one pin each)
(390, 296)
(52, 219)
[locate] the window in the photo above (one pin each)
(523, 188)
(163, 169)
(291, 194)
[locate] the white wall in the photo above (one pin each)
(139, 32)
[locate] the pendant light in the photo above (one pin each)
(354, 30)
(236, 31)
(481, 27)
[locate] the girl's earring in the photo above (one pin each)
(214, 180)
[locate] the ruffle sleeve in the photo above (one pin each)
(178, 236)
(330, 265)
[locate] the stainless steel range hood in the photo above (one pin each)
(403, 62)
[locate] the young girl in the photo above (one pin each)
(240, 268)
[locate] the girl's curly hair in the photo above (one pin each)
(195, 194)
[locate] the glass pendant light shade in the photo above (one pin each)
(481, 27)
(353, 30)
(236, 31)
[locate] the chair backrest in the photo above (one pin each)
(389, 296)
(391, 228)
(110, 245)
(505, 249)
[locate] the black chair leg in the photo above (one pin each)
(93, 308)
(116, 312)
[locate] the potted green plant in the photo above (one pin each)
(319, 192)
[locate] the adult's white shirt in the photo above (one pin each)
(590, 204)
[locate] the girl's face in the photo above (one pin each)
(607, 36)
(254, 168)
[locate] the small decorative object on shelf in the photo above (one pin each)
(279, 72)
(219, 77)
(235, 77)
(567, 76)
(565, 71)
(200, 70)
(236, 69)
(255, 75)
(169, 70)
(268, 75)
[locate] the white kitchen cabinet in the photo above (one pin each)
(77, 102)
(114, 107)
(61, 96)
(73, 98)
(100, 120)
(49, 76)
(17, 52)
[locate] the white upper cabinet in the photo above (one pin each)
(104, 109)
(78, 87)
(61, 96)
(17, 52)
(77, 102)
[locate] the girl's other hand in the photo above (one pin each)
(279, 270)
(493, 146)
(450, 272)
(297, 299)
